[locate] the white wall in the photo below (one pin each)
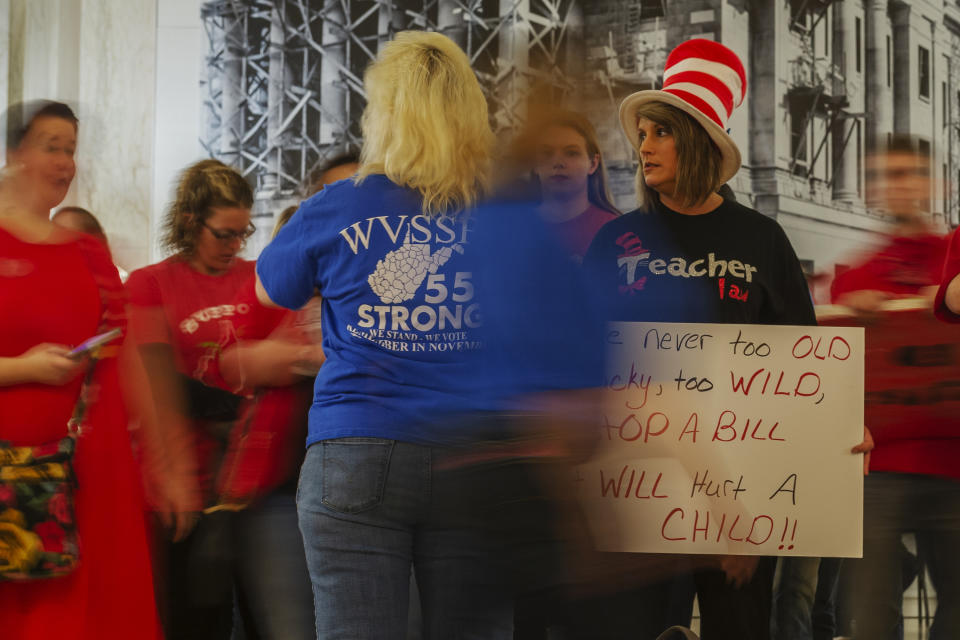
(117, 79)
(181, 45)
(4, 67)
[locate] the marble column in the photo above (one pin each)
(4, 69)
(574, 52)
(880, 54)
(231, 87)
(451, 24)
(333, 94)
(117, 87)
(275, 111)
(390, 21)
(903, 67)
(769, 138)
(513, 60)
(846, 186)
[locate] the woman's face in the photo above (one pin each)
(562, 162)
(658, 156)
(44, 160)
(220, 237)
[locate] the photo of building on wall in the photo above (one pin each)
(283, 86)
(282, 89)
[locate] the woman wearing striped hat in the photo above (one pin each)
(689, 255)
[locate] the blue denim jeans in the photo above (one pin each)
(368, 509)
(804, 598)
(894, 504)
(794, 587)
(272, 570)
(824, 615)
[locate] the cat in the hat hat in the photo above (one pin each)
(703, 82)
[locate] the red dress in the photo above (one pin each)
(58, 293)
(904, 267)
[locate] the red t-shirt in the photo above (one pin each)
(173, 303)
(905, 266)
(260, 321)
(266, 446)
(577, 233)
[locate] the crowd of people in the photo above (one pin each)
(365, 433)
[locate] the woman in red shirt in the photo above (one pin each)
(182, 314)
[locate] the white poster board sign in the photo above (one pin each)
(729, 439)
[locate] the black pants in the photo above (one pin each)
(182, 617)
(736, 614)
(642, 612)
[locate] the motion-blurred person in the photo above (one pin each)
(570, 176)
(79, 219)
(58, 288)
(947, 301)
(275, 357)
(182, 312)
(563, 181)
(685, 156)
(386, 252)
(913, 483)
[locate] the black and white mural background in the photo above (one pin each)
(282, 86)
(827, 81)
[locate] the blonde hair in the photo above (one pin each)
(203, 186)
(698, 157)
(425, 125)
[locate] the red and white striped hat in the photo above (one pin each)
(706, 80)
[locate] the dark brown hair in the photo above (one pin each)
(698, 158)
(88, 221)
(314, 181)
(203, 186)
(20, 117)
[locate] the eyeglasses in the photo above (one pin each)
(229, 235)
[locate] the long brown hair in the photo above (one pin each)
(598, 190)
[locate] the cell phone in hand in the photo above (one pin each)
(90, 344)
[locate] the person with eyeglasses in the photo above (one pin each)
(182, 314)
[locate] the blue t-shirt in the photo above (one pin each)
(409, 355)
(542, 324)
(399, 313)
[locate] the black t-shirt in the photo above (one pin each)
(731, 265)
